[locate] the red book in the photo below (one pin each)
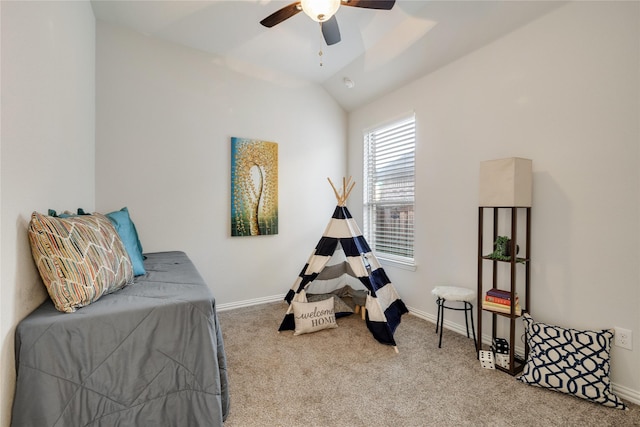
(499, 300)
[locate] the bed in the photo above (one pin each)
(150, 354)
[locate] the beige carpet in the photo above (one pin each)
(343, 377)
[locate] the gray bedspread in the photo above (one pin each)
(150, 354)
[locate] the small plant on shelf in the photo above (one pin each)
(502, 250)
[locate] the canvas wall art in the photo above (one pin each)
(254, 187)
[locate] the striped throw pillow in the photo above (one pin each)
(80, 258)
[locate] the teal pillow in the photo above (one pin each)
(129, 235)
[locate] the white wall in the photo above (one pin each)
(47, 145)
(165, 116)
(564, 92)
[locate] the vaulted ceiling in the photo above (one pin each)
(379, 50)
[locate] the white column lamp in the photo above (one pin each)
(506, 182)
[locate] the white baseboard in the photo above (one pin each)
(422, 314)
(249, 303)
(622, 392)
(626, 393)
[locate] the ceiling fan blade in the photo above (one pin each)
(370, 4)
(281, 14)
(330, 31)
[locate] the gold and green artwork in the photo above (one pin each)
(254, 187)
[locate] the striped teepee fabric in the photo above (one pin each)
(343, 256)
(79, 258)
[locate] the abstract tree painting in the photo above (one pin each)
(254, 187)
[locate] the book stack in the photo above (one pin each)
(500, 301)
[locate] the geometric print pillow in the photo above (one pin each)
(569, 361)
(80, 258)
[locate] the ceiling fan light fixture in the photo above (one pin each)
(320, 10)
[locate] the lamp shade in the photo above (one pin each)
(320, 10)
(506, 182)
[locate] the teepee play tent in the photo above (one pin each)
(342, 258)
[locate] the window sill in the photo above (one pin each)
(387, 262)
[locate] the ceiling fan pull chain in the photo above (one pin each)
(321, 39)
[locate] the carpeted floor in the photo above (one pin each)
(343, 377)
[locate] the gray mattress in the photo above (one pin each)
(150, 354)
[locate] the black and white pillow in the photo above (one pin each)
(570, 361)
(313, 316)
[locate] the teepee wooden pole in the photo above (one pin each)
(335, 191)
(346, 196)
(347, 186)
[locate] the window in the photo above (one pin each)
(389, 189)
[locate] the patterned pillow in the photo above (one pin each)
(569, 361)
(79, 258)
(313, 316)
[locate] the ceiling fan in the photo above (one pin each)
(323, 11)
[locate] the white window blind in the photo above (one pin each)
(389, 189)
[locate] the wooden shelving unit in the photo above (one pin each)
(515, 363)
